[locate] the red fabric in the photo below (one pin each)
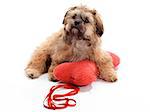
(53, 100)
(80, 73)
(115, 59)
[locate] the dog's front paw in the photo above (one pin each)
(32, 73)
(109, 75)
(51, 77)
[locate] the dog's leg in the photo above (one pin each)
(105, 66)
(60, 57)
(37, 64)
(50, 72)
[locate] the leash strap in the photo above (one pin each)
(52, 99)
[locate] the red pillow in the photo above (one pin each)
(80, 73)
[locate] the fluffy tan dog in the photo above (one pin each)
(78, 40)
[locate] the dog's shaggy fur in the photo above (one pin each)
(78, 40)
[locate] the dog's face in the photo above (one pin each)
(80, 22)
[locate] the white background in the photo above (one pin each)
(24, 24)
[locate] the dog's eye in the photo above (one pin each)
(73, 17)
(86, 20)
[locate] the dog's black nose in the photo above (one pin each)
(77, 22)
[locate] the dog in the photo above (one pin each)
(79, 39)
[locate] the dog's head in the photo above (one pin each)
(80, 21)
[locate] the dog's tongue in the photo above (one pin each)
(75, 31)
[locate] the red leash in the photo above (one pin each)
(52, 99)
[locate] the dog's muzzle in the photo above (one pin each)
(77, 23)
(78, 28)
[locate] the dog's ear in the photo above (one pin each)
(98, 23)
(72, 8)
(65, 17)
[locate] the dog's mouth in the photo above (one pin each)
(75, 30)
(79, 31)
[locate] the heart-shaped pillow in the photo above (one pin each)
(80, 73)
